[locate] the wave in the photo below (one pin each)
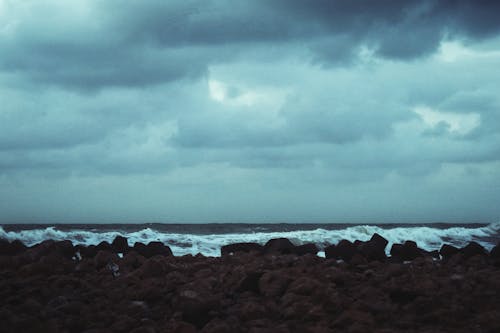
(428, 238)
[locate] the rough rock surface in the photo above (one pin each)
(43, 289)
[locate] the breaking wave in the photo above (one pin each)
(428, 238)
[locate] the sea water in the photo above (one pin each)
(207, 239)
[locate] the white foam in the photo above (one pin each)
(209, 245)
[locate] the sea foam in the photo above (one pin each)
(428, 238)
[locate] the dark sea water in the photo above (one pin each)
(208, 238)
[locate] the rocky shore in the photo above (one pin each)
(278, 287)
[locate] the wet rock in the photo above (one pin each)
(11, 248)
(447, 251)
(241, 247)
(195, 308)
(331, 252)
(103, 258)
(250, 282)
(104, 246)
(346, 250)
(495, 252)
(407, 251)
(152, 249)
(153, 268)
(120, 244)
(374, 249)
(279, 245)
(304, 249)
(473, 249)
(274, 283)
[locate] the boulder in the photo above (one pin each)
(279, 245)
(374, 249)
(304, 249)
(407, 251)
(240, 247)
(473, 249)
(331, 252)
(157, 248)
(120, 244)
(11, 248)
(103, 246)
(274, 283)
(495, 252)
(447, 251)
(346, 250)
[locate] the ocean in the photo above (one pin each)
(207, 239)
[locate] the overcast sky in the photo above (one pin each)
(249, 111)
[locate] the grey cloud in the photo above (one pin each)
(152, 42)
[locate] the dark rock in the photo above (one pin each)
(374, 249)
(104, 246)
(250, 282)
(274, 283)
(407, 251)
(120, 244)
(12, 248)
(152, 249)
(346, 250)
(473, 249)
(495, 252)
(279, 245)
(331, 252)
(103, 258)
(195, 308)
(304, 249)
(87, 251)
(241, 247)
(447, 251)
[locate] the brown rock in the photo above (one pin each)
(274, 283)
(473, 249)
(279, 245)
(447, 251)
(120, 244)
(241, 247)
(306, 249)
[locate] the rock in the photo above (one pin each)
(250, 282)
(241, 247)
(103, 258)
(473, 249)
(120, 244)
(374, 249)
(346, 250)
(104, 246)
(495, 252)
(274, 283)
(331, 252)
(279, 245)
(195, 308)
(152, 249)
(87, 251)
(304, 249)
(153, 268)
(406, 251)
(12, 248)
(447, 251)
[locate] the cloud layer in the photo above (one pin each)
(252, 111)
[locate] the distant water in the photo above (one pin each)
(207, 239)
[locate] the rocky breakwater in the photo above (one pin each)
(278, 287)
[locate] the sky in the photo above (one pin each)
(249, 111)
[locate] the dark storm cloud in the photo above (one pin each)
(151, 42)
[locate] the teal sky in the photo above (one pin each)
(249, 111)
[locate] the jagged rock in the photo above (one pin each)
(104, 246)
(473, 249)
(495, 252)
(274, 283)
(374, 249)
(304, 249)
(331, 252)
(11, 248)
(250, 282)
(120, 244)
(407, 251)
(241, 247)
(447, 251)
(279, 245)
(346, 250)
